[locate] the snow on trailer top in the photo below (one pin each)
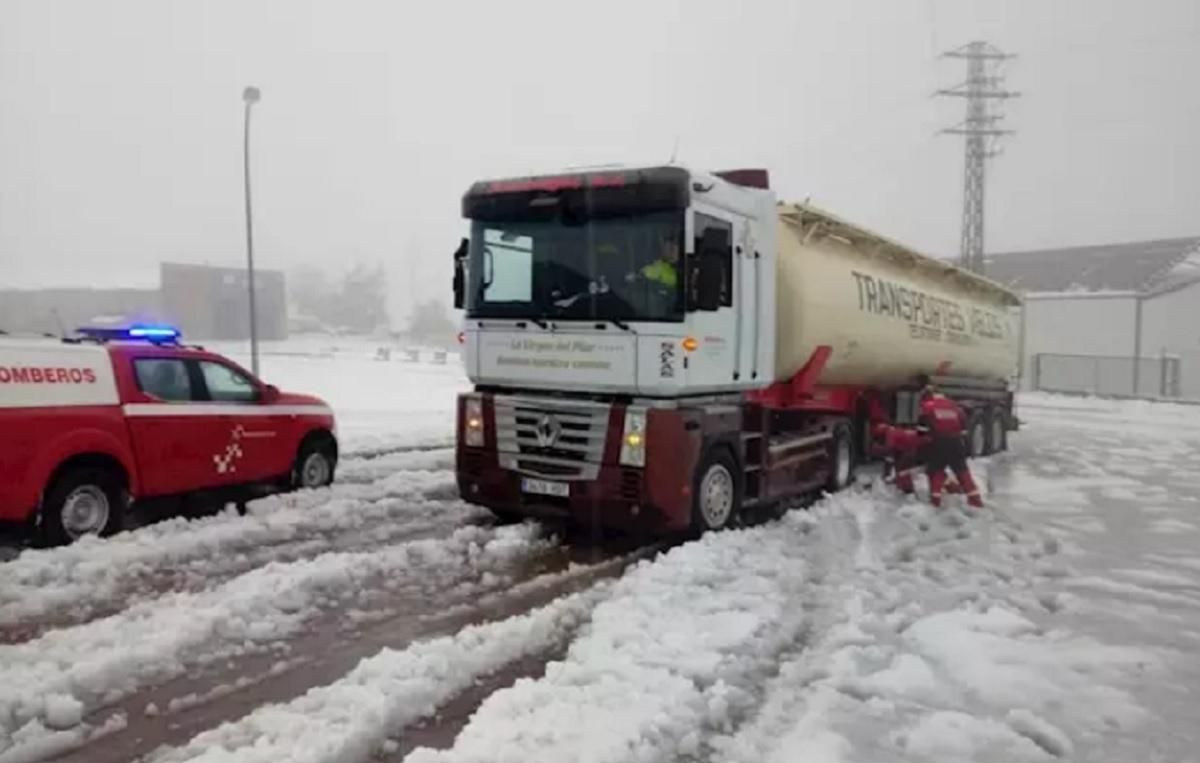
(806, 215)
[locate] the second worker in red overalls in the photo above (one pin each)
(946, 423)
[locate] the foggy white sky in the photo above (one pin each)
(120, 122)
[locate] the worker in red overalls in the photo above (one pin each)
(946, 423)
(900, 447)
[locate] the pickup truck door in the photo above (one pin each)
(176, 439)
(261, 440)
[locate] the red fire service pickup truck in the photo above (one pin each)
(89, 425)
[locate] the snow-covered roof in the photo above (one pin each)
(1131, 267)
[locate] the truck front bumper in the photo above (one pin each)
(616, 499)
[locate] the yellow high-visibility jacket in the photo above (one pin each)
(662, 272)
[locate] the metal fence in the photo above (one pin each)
(1105, 375)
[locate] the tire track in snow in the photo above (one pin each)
(561, 586)
(921, 644)
(49, 681)
(675, 648)
(674, 662)
(368, 453)
(360, 471)
(351, 718)
(46, 589)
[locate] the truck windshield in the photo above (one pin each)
(622, 268)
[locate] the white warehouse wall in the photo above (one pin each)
(1171, 325)
(1082, 323)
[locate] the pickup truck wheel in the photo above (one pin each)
(841, 459)
(314, 465)
(82, 501)
(717, 500)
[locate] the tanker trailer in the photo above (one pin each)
(661, 350)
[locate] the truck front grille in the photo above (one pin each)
(551, 438)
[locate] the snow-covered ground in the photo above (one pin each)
(382, 619)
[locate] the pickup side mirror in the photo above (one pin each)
(460, 270)
(270, 394)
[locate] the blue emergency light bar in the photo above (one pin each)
(153, 332)
(148, 332)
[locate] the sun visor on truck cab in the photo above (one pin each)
(605, 193)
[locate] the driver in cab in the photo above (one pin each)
(664, 271)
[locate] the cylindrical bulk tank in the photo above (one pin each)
(887, 312)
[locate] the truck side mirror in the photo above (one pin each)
(708, 270)
(460, 269)
(708, 283)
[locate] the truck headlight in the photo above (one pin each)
(473, 428)
(633, 438)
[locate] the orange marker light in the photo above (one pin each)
(690, 344)
(462, 337)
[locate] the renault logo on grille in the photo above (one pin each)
(547, 430)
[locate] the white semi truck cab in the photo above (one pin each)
(646, 351)
(600, 282)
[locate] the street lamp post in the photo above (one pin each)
(250, 96)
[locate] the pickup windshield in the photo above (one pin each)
(625, 268)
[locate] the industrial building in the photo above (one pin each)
(1090, 311)
(205, 302)
(213, 303)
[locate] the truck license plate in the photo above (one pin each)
(545, 487)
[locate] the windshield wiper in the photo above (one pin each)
(566, 302)
(540, 323)
(595, 288)
(620, 324)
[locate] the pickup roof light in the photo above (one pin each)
(147, 331)
(153, 332)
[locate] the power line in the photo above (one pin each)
(983, 90)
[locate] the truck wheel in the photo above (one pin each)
(314, 464)
(976, 436)
(717, 499)
(506, 517)
(841, 459)
(82, 501)
(998, 442)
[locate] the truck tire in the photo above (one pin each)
(977, 435)
(998, 435)
(717, 494)
(841, 458)
(504, 518)
(82, 501)
(315, 464)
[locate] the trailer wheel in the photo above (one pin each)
(841, 459)
(977, 435)
(998, 442)
(717, 495)
(82, 501)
